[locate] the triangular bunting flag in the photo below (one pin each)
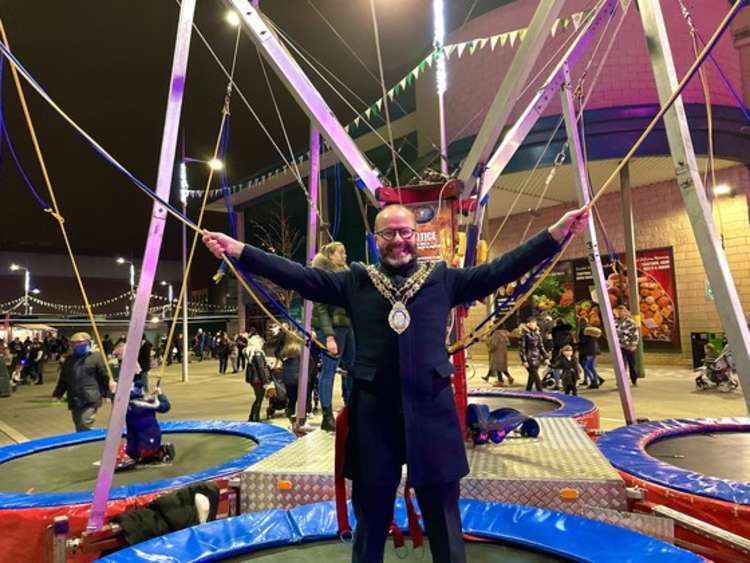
(461, 47)
(448, 50)
(565, 23)
(430, 60)
(422, 66)
(521, 34)
(493, 41)
(414, 73)
(391, 93)
(503, 39)
(577, 20)
(483, 42)
(555, 26)
(472, 47)
(512, 36)
(402, 84)
(379, 104)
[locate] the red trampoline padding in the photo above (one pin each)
(24, 533)
(727, 515)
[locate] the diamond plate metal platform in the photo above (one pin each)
(520, 470)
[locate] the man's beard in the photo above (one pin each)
(397, 256)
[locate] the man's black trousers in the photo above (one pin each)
(377, 436)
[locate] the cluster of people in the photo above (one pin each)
(552, 343)
(26, 358)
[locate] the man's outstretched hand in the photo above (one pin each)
(573, 221)
(219, 244)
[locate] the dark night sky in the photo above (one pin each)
(107, 64)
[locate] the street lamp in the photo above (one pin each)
(26, 285)
(121, 260)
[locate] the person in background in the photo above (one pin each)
(588, 350)
(241, 342)
(335, 329)
(108, 346)
(532, 352)
(569, 370)
(83, 378)
(628, 335)
(234, 353)
(497, 348)
(222, 351)
(144, 361)
(258, 375)
(143, 434)
(199, 344)
(561, 336)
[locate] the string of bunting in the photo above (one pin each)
(509, 39)
(197, 306)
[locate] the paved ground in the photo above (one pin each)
(667, 392)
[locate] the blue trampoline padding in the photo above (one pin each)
(269, 438)
(569, 406)
(625, 448)
(568, 535)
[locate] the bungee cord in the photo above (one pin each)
(153, 196)
(54, 210)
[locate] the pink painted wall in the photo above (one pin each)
(625, 80)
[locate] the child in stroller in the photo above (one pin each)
(717, 370)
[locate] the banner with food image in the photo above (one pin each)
(656, 291)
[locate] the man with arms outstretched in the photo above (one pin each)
(402, 408)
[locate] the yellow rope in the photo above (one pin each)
(55, 210)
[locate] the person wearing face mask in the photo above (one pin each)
(83, 377)
(402, 409)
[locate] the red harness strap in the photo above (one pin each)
(342, 515)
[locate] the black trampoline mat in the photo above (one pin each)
(72, 468)
(725, 455)
(529, 407)
(337, 552)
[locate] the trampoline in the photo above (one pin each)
(505, 532)
(700, 467)
(55, 476)
(540, 403)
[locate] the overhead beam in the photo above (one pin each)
(693, 192)
(307, 96)
(592, 248)
(509, 91)
(538, 104)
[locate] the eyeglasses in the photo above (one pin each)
(389, 234)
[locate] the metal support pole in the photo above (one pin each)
(148, 269)
(307, 96)
(438, 16)
(694, 195)
(26, 286)
(241, 316)
(630, 262)
(185, 326)
(510, 89)
(312, 240)
(592, 245)
(538, 104)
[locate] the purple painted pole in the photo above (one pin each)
(312, 248)
(148, 268)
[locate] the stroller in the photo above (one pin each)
(718, 372)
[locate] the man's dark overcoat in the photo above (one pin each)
(416, 361)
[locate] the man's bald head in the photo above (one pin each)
(394, 211)
(395, 226)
